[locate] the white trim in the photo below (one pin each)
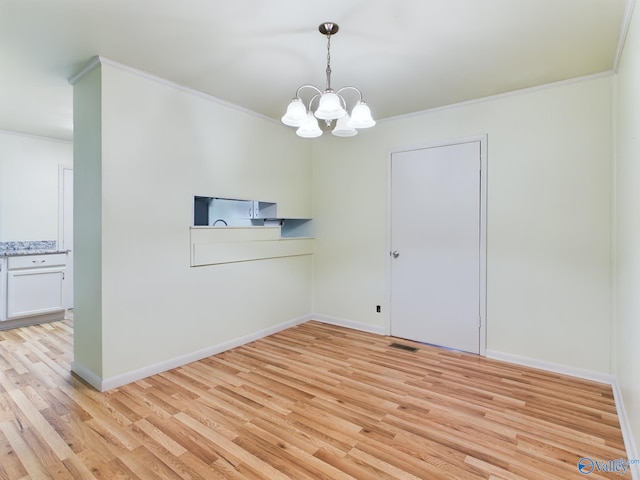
(61, 169)
(98, 60)
(343, 322)
(483, 139)
(64, 243)
(135, 375)
(606, 378)
(483, 242)
(613, 236)
(387, 272)
(35, 137)
(624, 29)
(87, 375)
(625, 426)
(627, 432)
(552, 367)
(522, 91)
(88, 68)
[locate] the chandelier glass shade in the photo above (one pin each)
(342, 128)
(329, 105)
(309, 127)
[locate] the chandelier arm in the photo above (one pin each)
(349, 87)
(317, 95)
(313, 87)
(342, 100)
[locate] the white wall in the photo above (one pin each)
(627, 198)
(87, 224)
(29, 186)
(160, 146)
(548, 243)
(549, 217)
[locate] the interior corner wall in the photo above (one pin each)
(160, 146)
(29, 186)
(627, 201)
(548, 230)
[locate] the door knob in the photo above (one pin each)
(395, 254)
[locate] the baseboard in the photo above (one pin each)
(32, 320)
(343, 322)
(118, 380)
(87, 375)
(627, 433)
(625, 426)
(135, 375)
(552, 367)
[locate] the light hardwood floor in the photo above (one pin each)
(312, 402)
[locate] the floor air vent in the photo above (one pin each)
(403, 347)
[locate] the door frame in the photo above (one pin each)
(68, 299)
(483, 228)
(61, 211)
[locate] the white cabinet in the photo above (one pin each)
(34, 285)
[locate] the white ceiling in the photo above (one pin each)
(405, 55)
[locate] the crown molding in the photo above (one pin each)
(624, 29)
(35, 137)
(89, 67)
(513, 93)
(99, 60)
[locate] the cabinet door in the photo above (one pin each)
(35, 291)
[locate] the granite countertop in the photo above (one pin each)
(41, 247)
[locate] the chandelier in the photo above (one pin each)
(330, 105)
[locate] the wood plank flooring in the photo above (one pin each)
(312, 402)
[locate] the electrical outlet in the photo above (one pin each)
(377, 308)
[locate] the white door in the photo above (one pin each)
(436, 248)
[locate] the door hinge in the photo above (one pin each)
(479, 322)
